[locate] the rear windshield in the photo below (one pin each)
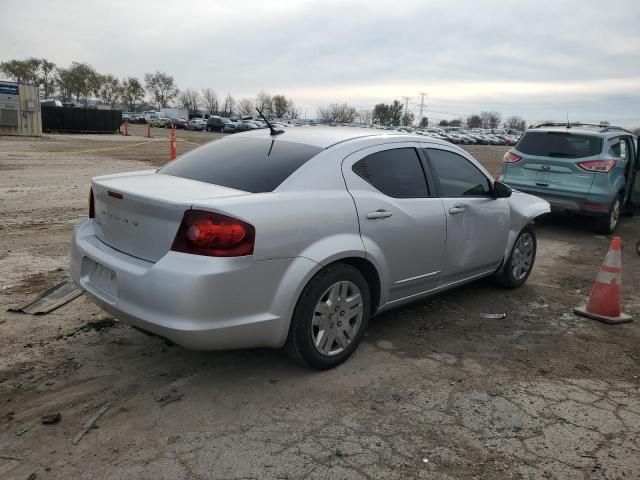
(251, 164)
(559, 144)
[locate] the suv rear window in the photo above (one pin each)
(250, 164)
(559, 144)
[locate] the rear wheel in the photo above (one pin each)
(520, 262)
(608, 223)
(330, 317)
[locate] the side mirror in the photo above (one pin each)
(501, 190)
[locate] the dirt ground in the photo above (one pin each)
(434, 391)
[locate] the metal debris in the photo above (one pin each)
(49, 300)
(493, 316)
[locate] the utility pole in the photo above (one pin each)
(422, 105)
(406, 107)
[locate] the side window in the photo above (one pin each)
(397, 173)
(456, 175)
(615, 147)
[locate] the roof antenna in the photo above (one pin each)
(273, 131)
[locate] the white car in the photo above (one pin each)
(296, 238)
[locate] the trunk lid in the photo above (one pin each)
(139, 213)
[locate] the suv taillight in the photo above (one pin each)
(213, 235)
(92, 207)
(511, 157)
(601, 166)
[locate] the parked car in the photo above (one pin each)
(584, 169)
(217, 124)
(179, 123)
(230, 127)
(218, 248)
(197, 124)
(244, 125)
(161, 122)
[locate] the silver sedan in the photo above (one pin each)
(296, 239)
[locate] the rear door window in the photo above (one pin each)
(457, 176)
(397, 173)
(253, 165)
(559, 144)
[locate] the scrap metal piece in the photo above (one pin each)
(493, 316)
(51, 299)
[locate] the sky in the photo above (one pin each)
(542, 60)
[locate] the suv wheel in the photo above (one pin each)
(518, 266)
(330, 317)
(608, 223)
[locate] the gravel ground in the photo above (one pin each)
(434, 391)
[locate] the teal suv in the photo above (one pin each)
(583, 169)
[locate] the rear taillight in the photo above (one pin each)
(214, 235)
(601, 166)
(511, 157)
(92, 207)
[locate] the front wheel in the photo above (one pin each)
(518, 266)
(330, 317)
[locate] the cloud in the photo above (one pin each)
(517, 57)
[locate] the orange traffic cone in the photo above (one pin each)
(148, 130)
(172, 145)
(604, 301)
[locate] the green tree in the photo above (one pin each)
(110, 90)
(22, 71)
(395, 112)
(46, 79)
(474, 121)
(455, 123)
(381, 115)
(424, 122)
(132, 93)
(280, 106)
(161, 87)
(80, 80)
(443, 123)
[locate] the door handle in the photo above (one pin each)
(458, 209)
(379, 214)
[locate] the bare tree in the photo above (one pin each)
(210, 100)
(190, 99)
(228, 106)
(246, 107)
(490, 119)
(265, 103)
(515, 122)
(292, 110)
(161, 87)
(365, 116)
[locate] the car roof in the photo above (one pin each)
(324, 137)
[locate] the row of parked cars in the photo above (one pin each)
(467, 137)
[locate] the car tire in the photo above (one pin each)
(324, 347)
(209, 129)
(519, 265)
(607, 224)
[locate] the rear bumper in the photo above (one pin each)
(197, 302)
(589, 204)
